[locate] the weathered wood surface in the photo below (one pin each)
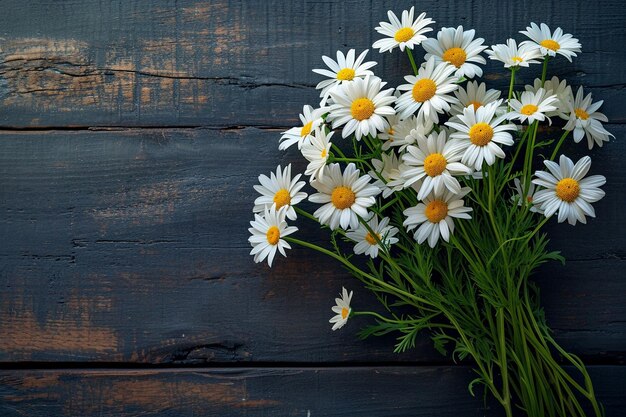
(355, 391)
(131, 245)
(232, 63)
(123, 226)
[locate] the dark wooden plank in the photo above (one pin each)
(131, 245)
(370, 391)
(225, 63)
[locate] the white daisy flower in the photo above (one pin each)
(360, 106)
(345, 196)
(434, 216)
(550, 43)
(342, 309)
(345, 69)
(459, 48)
(407, 132)
(311, 119)
(567, 191)
(482, 131)
(279, 189)
(435, 160)
(584, 120)
(366, 243)
(522, 198)
(388, 169)
(475, 95)
(560, 89)
(533, 106)
(427, 92)
(267, 233)
(316, 152)
(392, 121)
(406, 33)
(512, 56)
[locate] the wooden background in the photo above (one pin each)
(131, 135)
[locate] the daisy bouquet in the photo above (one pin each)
(435, 194)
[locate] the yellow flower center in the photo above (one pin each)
(567, 189)
(581, 114)
(436, 211)
(282, 198)
(306, 129)
(529, 199)
(404, 34)
(342, 197)
(362, 108)
(517, 59)
(346, 74)
(528, 109)
(435, 164)
(323, 154)
(344, 313)
(550, 44)
(475, 103)
(455, 56)
(273, 235)
(424, 89)
(481, 134)
(371, 239)
(391, 131)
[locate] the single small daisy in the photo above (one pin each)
(311, 119)
(567, 190)
(406, 33)
(475, 95)
(458, 48)
(533, 106)
(513, 56)
(388, 169)
(345, 196)
(428, 91)
(435, 214)
(316, 152)
(360, 107)
(434, 161)
(550, 43)
(407, 132)
(368, 244)
(267, 233)
(345, 69)
(522, 198)
(392, 121)
(342, 309)
(584, 119)
(279, 189)
(482, 130)
(560, 89)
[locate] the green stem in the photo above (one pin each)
(506, 395)
(558, 145)
(544, 70)
(305, 214)
(390, 288)
(511, 84)
(528, 158)
(410, 54)
(339, 151)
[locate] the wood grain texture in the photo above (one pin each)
(232, 63)
(131, 245)
(131, 135)
(307, 392)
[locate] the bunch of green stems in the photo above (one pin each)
(473, 294)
